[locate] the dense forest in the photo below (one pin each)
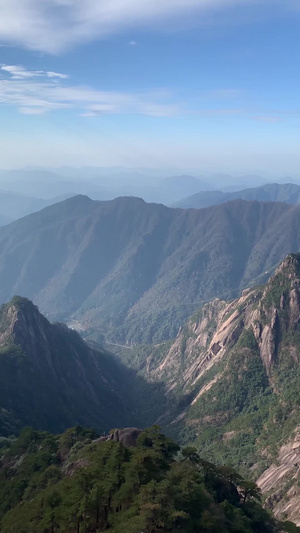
(75, 483)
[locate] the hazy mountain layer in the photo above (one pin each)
(135, 271)
(272, 192)
(99, 184)
(163, 186)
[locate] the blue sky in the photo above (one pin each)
(212, 85)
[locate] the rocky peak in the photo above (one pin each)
(270, 312)
(22, 324)
(290, 266)
(15, 315)
(51, 379)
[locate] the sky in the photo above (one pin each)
(211, 85)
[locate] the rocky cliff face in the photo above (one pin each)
(234, 369)
(269, 312)
(280, 482)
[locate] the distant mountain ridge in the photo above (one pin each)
(135, 271)
(101, 185)
(271, 192)
(153, 185)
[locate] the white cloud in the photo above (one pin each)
(18, 72)
(35, 93)
(54, 25)
(132, 43)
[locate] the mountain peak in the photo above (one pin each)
(284, 284)
(21, 303)
(20, 319)
(290, 265)
(60, 379)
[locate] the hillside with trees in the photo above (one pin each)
(134, 272)
(75, 483)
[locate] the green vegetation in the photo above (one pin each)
(229, 418)
(72, 484)
(251, 410)
(135, 272)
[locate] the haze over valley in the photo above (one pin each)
(149, 266)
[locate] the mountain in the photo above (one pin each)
(165, 191)
(234, 369)
(51, 379)
(74, 482)
(272, 192)
(135, 271)
(162, 186)
(99, 184)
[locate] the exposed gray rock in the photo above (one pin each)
(127, 436)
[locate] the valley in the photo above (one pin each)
(226, 383)
(149, 266)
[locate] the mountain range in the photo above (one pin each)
(99, 184)
(162, 186)
(271, 192)
(135, 271)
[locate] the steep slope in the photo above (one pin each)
(271, 192)
(51, 379)
(135, 271)
(235, 371)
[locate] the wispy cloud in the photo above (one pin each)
(132, 43)
(53, 25)
(18, 72)
(37, 92)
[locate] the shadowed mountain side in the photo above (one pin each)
(135, 271)
(51, 379)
